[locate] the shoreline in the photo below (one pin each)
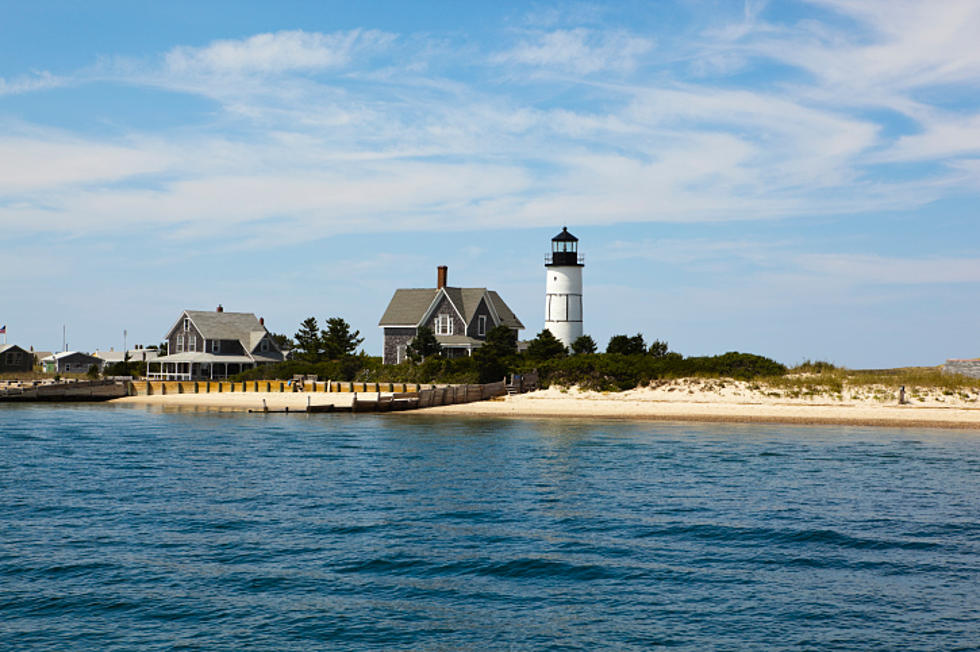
(914, 418)
(694, 400)
(644, 404)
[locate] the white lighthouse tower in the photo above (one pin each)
(563, 303)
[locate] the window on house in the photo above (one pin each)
(215, 346)
(481, 328)
(192, 346)
(401, 353)
(444, 325)
(180, 344)
(187, 324)
(264, 345)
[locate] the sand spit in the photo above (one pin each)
(738, 401)
(678, 400)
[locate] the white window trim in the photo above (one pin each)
(215, 346)
(192, 342)
(444, 324)
(180, 344)
(481, 328)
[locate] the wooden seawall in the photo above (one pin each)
(85, 390)
(351, 397)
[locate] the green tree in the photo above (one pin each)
(625, 345)
(423, 345)
(337, 340)
(583, 344)
(495, 358)
(545, 347)
(93, 371)
(658, 349)
(308, 342)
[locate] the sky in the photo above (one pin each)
(794, 179)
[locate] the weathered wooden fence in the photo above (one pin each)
(368, 397)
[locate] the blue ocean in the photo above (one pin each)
(124, 528)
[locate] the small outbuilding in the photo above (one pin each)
(14, 359)
(71, 362)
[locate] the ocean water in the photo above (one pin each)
(123, 528)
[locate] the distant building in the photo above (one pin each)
(203, 345)
(459, 317)
(72, 362)
(135, 355)
(14, 359)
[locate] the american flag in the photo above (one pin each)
(3, 330)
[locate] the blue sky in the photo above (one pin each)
(796, 179)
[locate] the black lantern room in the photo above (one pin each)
(564, 250)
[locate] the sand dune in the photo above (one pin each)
(728, 400)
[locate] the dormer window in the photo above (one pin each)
(481, 327)
(264, 345)
(187, 324)
(444, 324)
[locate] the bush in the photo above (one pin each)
(625, 345)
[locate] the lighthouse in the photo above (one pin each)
(563, 301)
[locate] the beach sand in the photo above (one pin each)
(677, 400)
(736, 401)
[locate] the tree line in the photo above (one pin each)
(628, 361)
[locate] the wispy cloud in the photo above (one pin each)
(297, 143)
(30, 83)
(580, 51)
(276, 52)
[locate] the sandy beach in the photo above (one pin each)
(679, 400)
(737, 401)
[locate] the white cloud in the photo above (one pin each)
(276, 52)
(28, 84)
(579, 51)
(52, 161)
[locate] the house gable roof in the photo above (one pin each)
(408, 306)
(506, 315)
(244, 327)
(411, 307)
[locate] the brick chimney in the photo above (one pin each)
(262, 321)
(220, 309)
(441, 276)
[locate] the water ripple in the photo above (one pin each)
(133, 529)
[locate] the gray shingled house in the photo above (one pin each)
(459, 317)
(15, 359)
(203, 345)
(74, 362)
